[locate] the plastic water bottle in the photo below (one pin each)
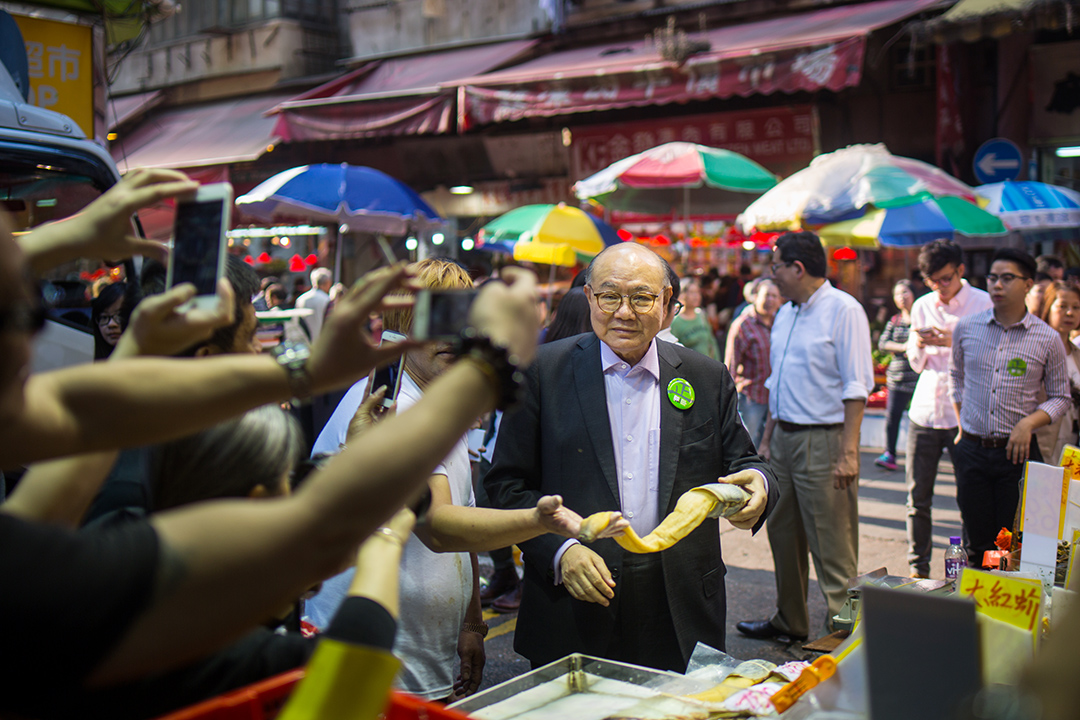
(955, 559)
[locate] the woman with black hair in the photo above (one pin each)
(108, 318)
(571, 316)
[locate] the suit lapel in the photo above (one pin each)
(671, 426)
(592, 402)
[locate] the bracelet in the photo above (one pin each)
(390, 535)
(497, 363)
(480, 628)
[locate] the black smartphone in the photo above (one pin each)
(441, 314)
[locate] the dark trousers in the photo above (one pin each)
(987, 493)
(644, 631)
(895, 407)
(501, 558)
(925, 447)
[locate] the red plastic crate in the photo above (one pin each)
(264, 700)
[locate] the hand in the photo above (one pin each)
(561, 520)
(471, 653)
(920, 341)
(942, 337)
(847, 469)
(753, 482)
(345, 351)
(959, 436)
(104, 230)
(763, 449)
(370, 412)
(1019, 446)
(506, 313)
(586, 576)
(157, 329)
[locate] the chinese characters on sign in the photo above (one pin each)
(1013, 600)
(61, 78)
(782, 139)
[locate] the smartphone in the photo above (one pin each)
(441, 314)
(389, 375)
(199, 243)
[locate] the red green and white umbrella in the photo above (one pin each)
(678, 180)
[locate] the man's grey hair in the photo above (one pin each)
(665, 269)
(321, 275)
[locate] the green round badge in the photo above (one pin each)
(1016, 367)
(680, 393)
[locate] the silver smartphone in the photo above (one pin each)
(390, 375)
(199, 243)
(441, 314)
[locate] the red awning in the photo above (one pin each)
(396, 96)
(821, 49)
(120, 110)
(215, 133)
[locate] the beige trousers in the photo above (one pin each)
(811, 516)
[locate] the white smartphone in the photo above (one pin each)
(199, 243)
(390, 375)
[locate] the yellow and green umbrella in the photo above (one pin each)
(550, 234)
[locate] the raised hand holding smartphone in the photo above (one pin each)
(199, 244)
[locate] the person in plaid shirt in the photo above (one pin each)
(747, 357)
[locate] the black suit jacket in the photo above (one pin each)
(559, 442)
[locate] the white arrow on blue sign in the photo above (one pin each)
(997, 160)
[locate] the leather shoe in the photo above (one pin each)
(510, 602)
(502, 582)
(765, 630)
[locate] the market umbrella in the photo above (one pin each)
(864, 194)
(362, 198)
(549, 225)
(678, 180)
(912, 225)
(1030, 205)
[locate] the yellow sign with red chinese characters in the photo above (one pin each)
(1017, 601)
(61, 57)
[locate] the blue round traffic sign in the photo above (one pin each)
(997, 160)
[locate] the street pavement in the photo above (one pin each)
(751, 589)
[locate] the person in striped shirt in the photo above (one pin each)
(747, 357)
(1001, 357)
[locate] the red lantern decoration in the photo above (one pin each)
(624, 235)
(263, 258)
(249, 260)
(311, 259)
(296, 264)
(845, 253)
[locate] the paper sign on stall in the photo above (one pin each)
(1046, 492)
(1016, 601)
(1070, 460)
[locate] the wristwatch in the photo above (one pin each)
(293, 356)
(479, 627)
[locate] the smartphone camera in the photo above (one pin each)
(199, 243)
(441, 314)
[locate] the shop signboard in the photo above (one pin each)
(60, 59)
(783, 139)
(1016, 601)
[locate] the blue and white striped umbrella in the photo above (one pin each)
(1032, 206)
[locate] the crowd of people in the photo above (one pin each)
(167, 489)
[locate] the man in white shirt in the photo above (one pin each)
(933, 421)
(821, 374)
(316, 299)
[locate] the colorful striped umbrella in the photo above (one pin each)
(558, 226)
(1032, 205)
(678, 180)
(912, 225)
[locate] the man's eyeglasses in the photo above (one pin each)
(640, 302)
(777, 265)
(104, 320)
(1005, 278)
(941, 281)
(678, 307)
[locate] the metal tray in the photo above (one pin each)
(583, 687)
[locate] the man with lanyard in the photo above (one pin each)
(933, 422)
(821, 376)
(1000, 359)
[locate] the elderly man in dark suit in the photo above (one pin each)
(617, 420)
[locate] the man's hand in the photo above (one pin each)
(103, 230)
(345, 351)
(561, 520)
(471, 653)
(1019, 447)
(506, 313)
(847, 469)
(370, 412)
(941, 337)
(753, 482)
(586, 575)
(157, 329)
